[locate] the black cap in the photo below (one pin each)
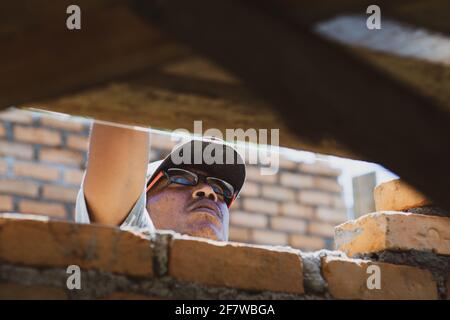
(220, 160)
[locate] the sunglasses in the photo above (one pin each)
(189, 178)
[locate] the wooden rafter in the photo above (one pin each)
(321, 95)
(319, 89)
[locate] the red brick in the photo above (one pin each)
(6, 203)
(44, 208)
(329, 215)
(321, 229)
(278, 193)
(14, 291)
(253, 220)
(287, 164)
(315, 198)
(130, 296)
(296, 180)
(347, 279)
(36, 241)
(239, 234)
(251, 189)
(73, 176)
(338, 202)
(269, 237)
(254, 174)
(37, 135)
(3, 167)
(396, 195)
(260, 206)
(78, 142)
(326, 184)
(61, 156)
(319, 169)
(307, 242)
(390, 230)
(16, 150)
(236, 265)
(35, 170)
(19, 187)
(293, 209)
(55, 192)
(288, 224)
(17, 116)
(65, 123)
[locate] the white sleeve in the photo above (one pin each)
(137, 218)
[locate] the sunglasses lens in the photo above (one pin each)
(180, 176)
(187, 178)
(221, 187)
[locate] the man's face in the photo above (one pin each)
(193, 210)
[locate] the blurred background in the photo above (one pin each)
(43, 156)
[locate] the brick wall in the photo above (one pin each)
(405, 245)
(35, 253)
(42, 159)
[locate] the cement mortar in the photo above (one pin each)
(313, 280)
(97, 284)
(161, 246)
(430, 211)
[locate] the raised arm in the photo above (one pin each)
(116, 170)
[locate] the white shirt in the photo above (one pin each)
(138, 217)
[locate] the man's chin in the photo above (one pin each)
(204, 225)
(205, 229)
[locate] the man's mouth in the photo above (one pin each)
(207, 206)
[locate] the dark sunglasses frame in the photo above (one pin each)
(197, 178)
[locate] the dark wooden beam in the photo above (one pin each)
(320, 90)
(429, 14)
(175, 98)
(41, 58)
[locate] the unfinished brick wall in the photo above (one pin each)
(395, 254)
(115, 264)
(42, 159)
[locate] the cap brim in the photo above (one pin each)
(227, 164)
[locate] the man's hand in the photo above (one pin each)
(116, 171)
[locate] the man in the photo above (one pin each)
(121, 188)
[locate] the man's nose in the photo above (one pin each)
(204, 190)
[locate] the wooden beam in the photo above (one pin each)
(319, 88)
(429, 14)
(176, 97)
(41, 58)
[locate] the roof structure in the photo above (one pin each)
(241, 64)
